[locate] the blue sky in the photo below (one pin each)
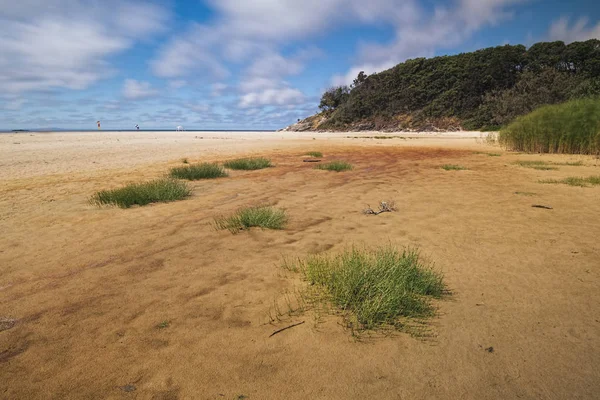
(231, 64)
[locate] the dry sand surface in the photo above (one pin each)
(84, 290)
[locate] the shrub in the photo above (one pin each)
(259, 216)
(337, 166)
(375, 288)
(572, 127)
(157, 191)
(248, 164)
(198, 171)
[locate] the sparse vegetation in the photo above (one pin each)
(315, 154)
(576, 181)
(452, 167)
(265, 217)
(572, 127)
(374, 288)
(539, 165)
(163, 325)
(185, 161)
(337, 166)
(248, 164)
(526, 193)
(494, 154)
(156, 191)
(198, 171)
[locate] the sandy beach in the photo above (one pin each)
(84, 289)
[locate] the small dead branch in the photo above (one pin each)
(541, 206)
(311, 160)
(286, 328)
(384, 206)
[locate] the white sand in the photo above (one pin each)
(24, 155)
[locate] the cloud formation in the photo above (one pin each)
(581, 30)
(66, 43)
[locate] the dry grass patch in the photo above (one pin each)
(248, 164)
(337, 166)
(576, 181)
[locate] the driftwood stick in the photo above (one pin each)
(286, 328)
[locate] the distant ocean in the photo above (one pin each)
(131, 130)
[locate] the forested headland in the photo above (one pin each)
(482, 90)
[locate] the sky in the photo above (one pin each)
(236, 64)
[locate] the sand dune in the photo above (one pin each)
(89, 287)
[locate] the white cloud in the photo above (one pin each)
(66, 43)
(579, 31)
(136, 90)
(277, 96)
(424, 34)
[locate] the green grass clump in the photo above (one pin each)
(526, 193)
(198, 171)
(576, 181)
(375, 288)
(539, 165)
(248, 164)
(451, 167)
(337, 166)
(572, 127)
(258, 216)
(315, 154)
(157, 191)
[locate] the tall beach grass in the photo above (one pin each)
(572, 127)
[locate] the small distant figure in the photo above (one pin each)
(137, 127)
(179, 128)
(98, 122)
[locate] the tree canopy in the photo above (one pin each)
(488, 87)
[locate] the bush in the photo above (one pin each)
(259, 216)
(572, 127)
(337, 166)
(374, 288)
(157, 191)
(198, 171)
(248, 164)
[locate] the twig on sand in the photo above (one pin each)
(384, 206)
(541, 206)
(286, 328)
(311, 160)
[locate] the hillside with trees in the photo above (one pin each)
(485, 89)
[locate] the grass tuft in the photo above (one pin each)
(539, 165)
(185, 161)
(526, 194)
(315, 154)
(494, 154)
(451, 167)
(375, 288)
(337, 166)
(571, 127)
(156, 191)
(576, 181)
(248, 164)
(198, 171)
(258, 216)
